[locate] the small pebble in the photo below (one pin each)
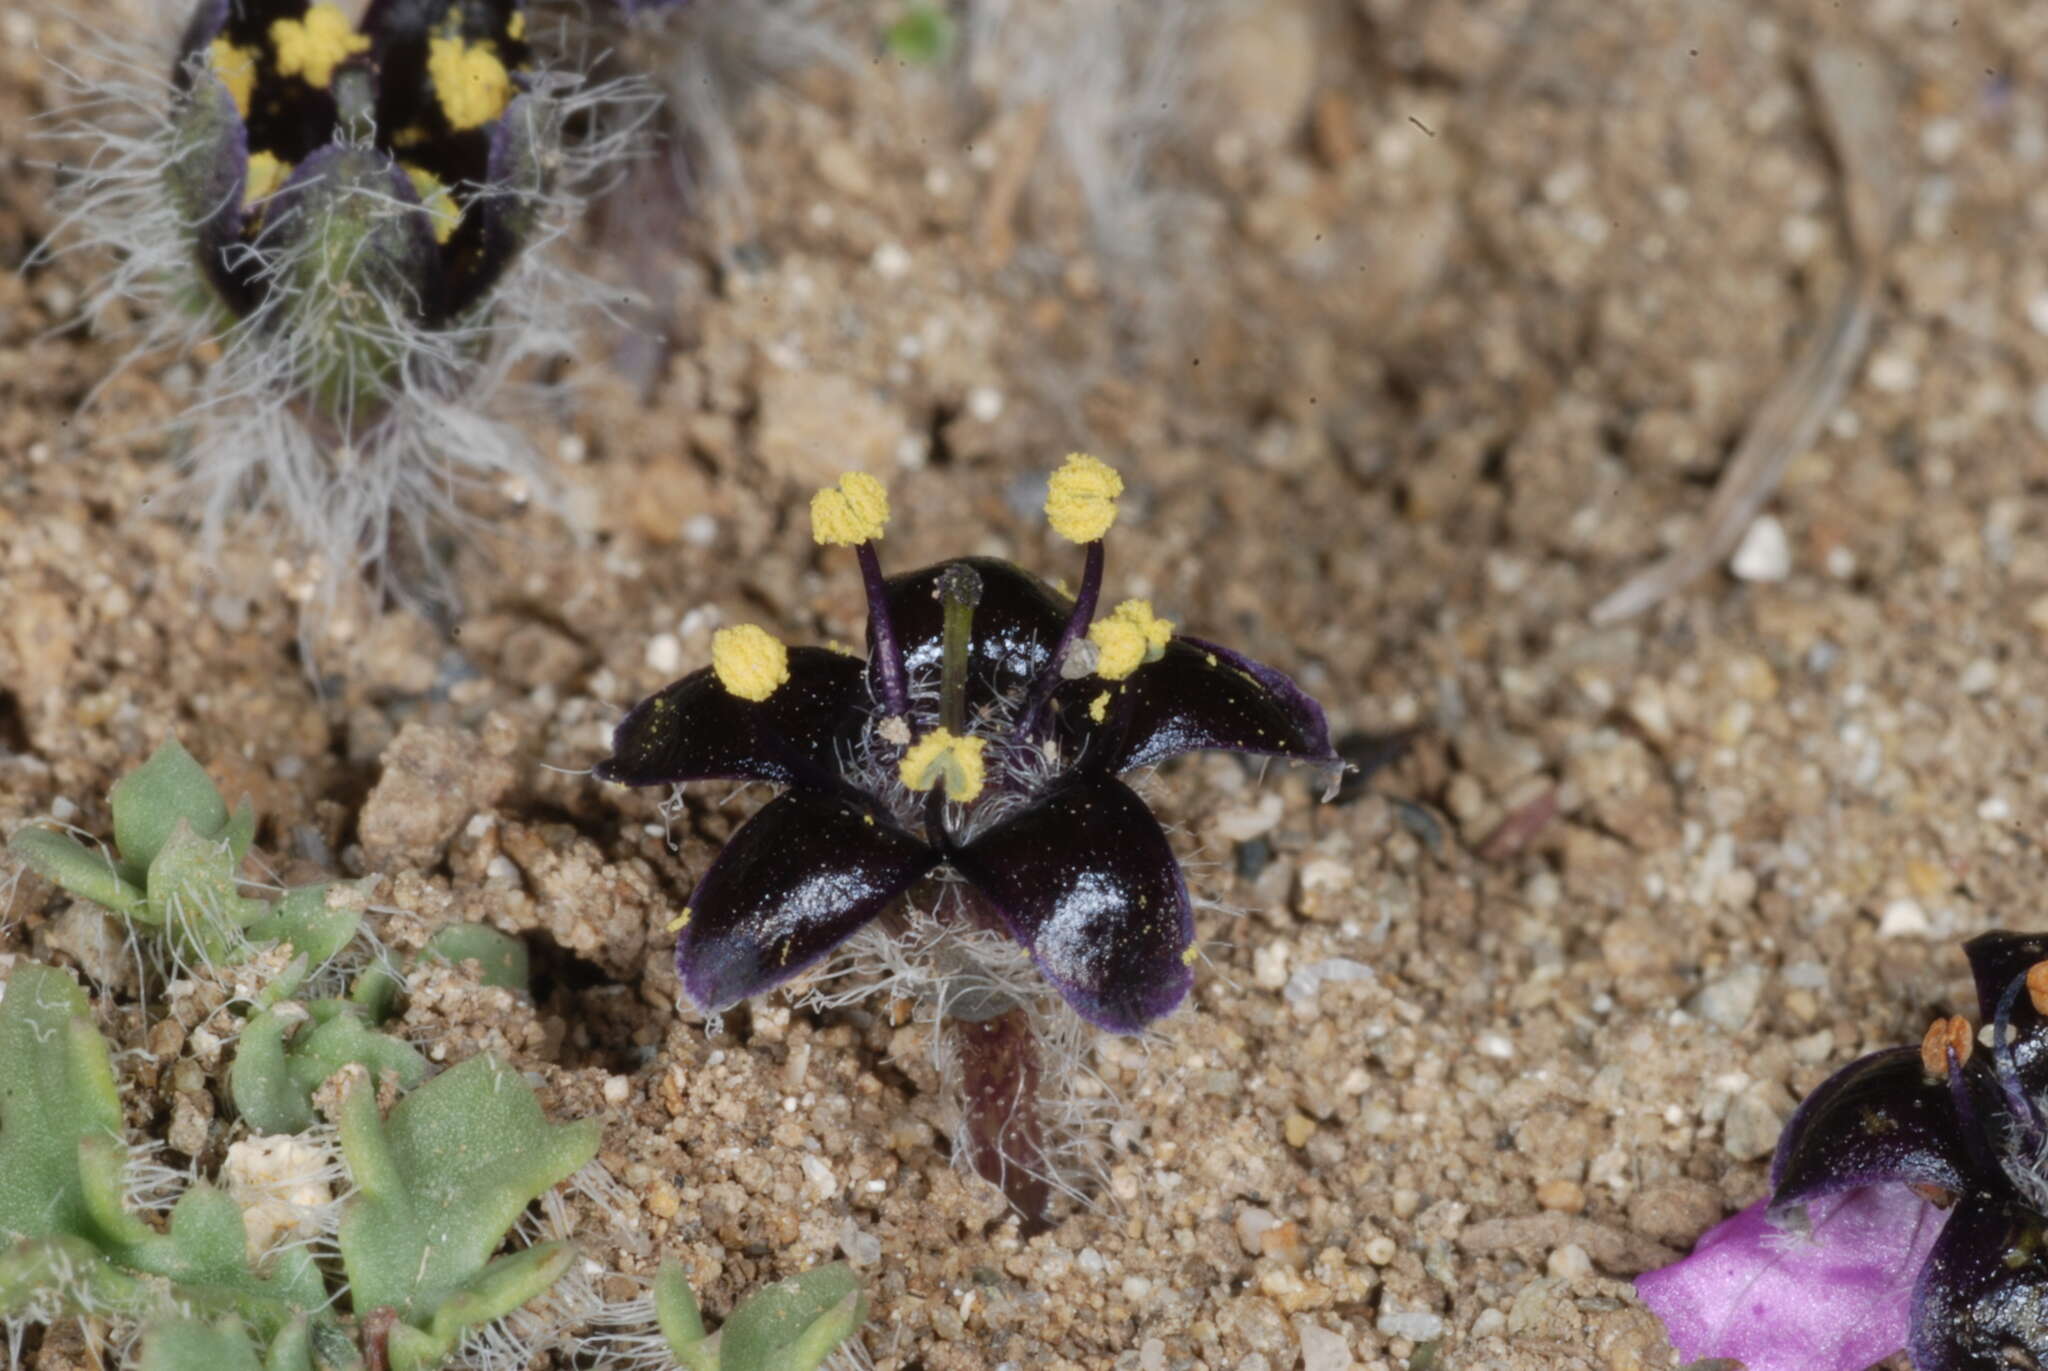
(1893, 373)
(1727, 1001)
(1322, 1350)
(1569, 1262)
(1300, 1128)
(1764, 554)
(664, 654)
(1903, 918)
(1563, 1196)
(1417, 1325)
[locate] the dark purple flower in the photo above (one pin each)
(983, 733)
(402, 145)
(1962, 1128)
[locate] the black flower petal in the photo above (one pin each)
(697, 730)
(1996, 961)
(499, 220)
(1016, 625)
(1983, 1294)
(1199, 696)
(1086, 881)
(205, 179)
(402, 34)
(795, 881)
(1881, 1118)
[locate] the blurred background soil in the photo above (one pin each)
(1415, 328)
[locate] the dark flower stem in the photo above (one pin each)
(1000, 1078)
(887, 650)
(1077, 624)
(959, 592)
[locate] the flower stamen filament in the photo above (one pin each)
(853, 514)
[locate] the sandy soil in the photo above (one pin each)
(1440, 319)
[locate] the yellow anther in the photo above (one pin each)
(266, 173)
(469, 81)
(749, 661)
(1127, 638)
(236, 68)
(941, 755)
(1080, 503)
(516, 29)
(314, 46)
(680, 921)
(854, 512)
(1098, 708)
(441, 208)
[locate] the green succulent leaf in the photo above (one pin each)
(205, 1257)
(70, 1274)
(193, 887)
(501, 956)
(440, 1183)
(681, 1325)
(186, 1344)
(280, 1063)
(494, 1292)
(189, 1345)
(924, 36)
(794, 1324)
(56, 1092)
(376, 992)
(85, 872)
(150, 801)
(315, 926)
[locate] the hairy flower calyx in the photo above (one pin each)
(944, 756)
(1080, 500)
(749, 661)
(854, 512)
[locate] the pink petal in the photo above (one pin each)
(1838, 1299)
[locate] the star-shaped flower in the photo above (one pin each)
(1962, 1128)
(984, 733)
(400, 144)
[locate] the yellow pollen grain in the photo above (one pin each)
(1080, 501)
(941, 755)
(267, 171)
(1127, 638)
(314, 46)
(236, 69)
(469, 81)
(1187, 957)
(749, 661)
(1098, 708)
(438, 203)
(680, 921)
(854, 512)
(516, 29)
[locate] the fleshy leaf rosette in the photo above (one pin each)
(1909, 1205)
(984, 735)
